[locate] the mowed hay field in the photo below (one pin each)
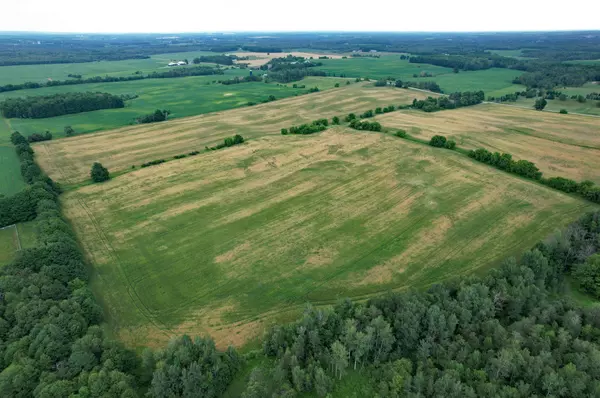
(228, 241)
(69, 160)
(560, 145)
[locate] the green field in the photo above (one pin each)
(493, 81)
(226, 241)
(10, 171)
(572, 106)
(185, 96)
(380, 68)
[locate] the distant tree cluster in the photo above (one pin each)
(593, 96)
(365, 125)
(74, 76)
(307, 128)
(549, 75)
(156, 116)
(58, 104)
(452, 101)
(216, 59)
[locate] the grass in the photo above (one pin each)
(69, 161)
(560, 145)
(226, 242)
(572, 106)
(8, 245)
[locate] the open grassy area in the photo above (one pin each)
(69, 160)
(560, 145)
(495, 81)
(226, 241)
(572, 106)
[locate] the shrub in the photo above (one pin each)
(336, 85)
(99, 173)
(37, 137)
(69, 131)
(335, 120)
(350, 117)
(401, 134)
(368, 126)
(540, 104)
(367, 114)
(563, 111)
(438, 141)
(450, 144)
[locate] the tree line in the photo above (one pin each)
(452, 101)
(216, 59)
(365, 125)
(245, 79)
(315, 126)
(171, 73)
(524, 168)
(511, 333)
(58, 104)
(465, 62)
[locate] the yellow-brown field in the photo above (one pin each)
(227, 241)
(560, 145)
(69, 160)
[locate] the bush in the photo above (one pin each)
(99, 173)
(450, 144)
(314, 127)
(540, 104)
(335, 120)
(564, 111)
(350, 117)
(157, 116)
(69, 131)
(401, 134)
(438, 141)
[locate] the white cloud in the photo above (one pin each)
(305, 15)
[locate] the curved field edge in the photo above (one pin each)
(227, 242)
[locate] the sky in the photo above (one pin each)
(135, 16)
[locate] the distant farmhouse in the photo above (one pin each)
(178, 63)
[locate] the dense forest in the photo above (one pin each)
(58, 104)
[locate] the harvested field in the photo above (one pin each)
(227, 241)
(560, 145)
(69, 160)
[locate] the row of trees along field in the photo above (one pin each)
(216, 59)
(59, 104)
(510, 333)
(291, 68)
(171, 73)
(452, 101)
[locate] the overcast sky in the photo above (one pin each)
(303, 15)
